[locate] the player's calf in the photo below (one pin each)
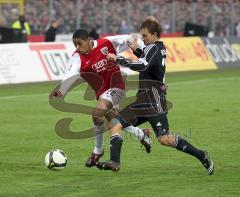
(115, 151)
(203, 156)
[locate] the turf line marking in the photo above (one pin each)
(34, 95)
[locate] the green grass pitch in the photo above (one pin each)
(206, 112)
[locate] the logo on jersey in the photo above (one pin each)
(100, 65)
(164, 52)
(104, 50)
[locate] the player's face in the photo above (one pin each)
(147, 37)
(83, 46)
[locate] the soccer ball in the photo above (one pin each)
(56, 159)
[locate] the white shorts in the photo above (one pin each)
(114, 95)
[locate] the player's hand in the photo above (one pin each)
(55, 94)
(134, 44)
(111, 57)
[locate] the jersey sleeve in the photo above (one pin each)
(72, 74)
(122, 42)
(138, 52)
(150, 55)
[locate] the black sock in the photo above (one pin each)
(115, 147)
(184, 146)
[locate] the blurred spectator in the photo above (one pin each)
(238, 29)
(125, 16)
(93, 34)
(124, 27)
(22, 25)
(50, 34)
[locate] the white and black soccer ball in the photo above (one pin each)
(56, 159)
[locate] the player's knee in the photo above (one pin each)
(165, 140)
(97, 119)
(162, 140)
(110, 114)
(97, 116)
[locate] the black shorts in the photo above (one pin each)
(146, 109)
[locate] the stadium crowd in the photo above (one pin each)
(124, 16)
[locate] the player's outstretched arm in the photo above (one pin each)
(122, 42)
(150, 55)
(71, 77)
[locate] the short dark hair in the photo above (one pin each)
(152, 25)
(80, 34)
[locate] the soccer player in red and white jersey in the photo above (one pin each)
(89, 63)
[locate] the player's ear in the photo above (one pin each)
(155, 35)
(89, 40)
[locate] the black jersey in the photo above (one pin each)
(151, 102)
(151, 66)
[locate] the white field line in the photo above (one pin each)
(34, 95)
(169, 84)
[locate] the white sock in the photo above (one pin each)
(135, 131)
(98, 138)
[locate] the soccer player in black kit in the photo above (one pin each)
(151, 100)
